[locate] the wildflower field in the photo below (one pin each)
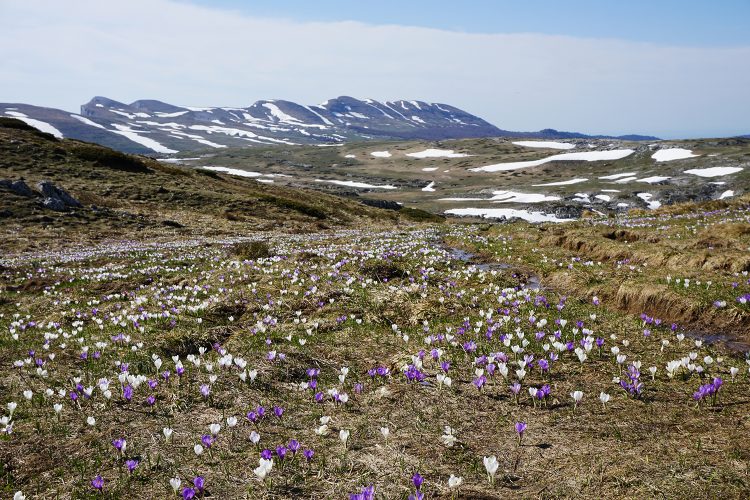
(425, 361)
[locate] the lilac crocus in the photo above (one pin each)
(98, 483)
(520, 429)
(205, 390)
(308, 454)
(199, 482)
(131, 465)
(417, 479)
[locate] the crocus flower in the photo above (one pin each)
(491, 464)
(308, 454)
(199, 483)
(97, 483)
(417, 479)
(520, 429)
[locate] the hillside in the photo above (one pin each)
(505, 177)
(135, 197)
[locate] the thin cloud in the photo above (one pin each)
(61, 53)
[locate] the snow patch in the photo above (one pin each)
(713, 171)
(614, 154)
(562, 183)
(673, 154)
(43, 126)
(354, 184)
(437, 153)
(87, 121)
(381, 154)
(496, 213)
(545, 144)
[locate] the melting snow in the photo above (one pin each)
(362, 185)
(625, 180)
(143, 141)
(350, 156)
(614, 154)
(617, 176)
(429, 169)
(545, 144)
(513, 197)
(43, 126)
(672, 154)
(87, 121)
(171, 115)
(647, 197)
(381, 154)
(429, 187)
(496, 213)
(713, 171)
(234, 171)
(437, 153)
(726, 194)
(603, 197)
(653, 180)
(562, 183)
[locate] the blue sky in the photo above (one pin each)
(674, 69)
(698, 23)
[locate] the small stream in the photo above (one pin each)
(532, 281)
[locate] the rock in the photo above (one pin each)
(568, 212)
(386, 204)
(56, 198)
(18, 187)
(54, 204)
(172, 223)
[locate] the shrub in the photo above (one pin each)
(296, 206)
(417, 215)
(110, 158)
(251, 250)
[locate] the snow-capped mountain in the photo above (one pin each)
(149, 126)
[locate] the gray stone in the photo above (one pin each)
(18, 187)
(56, 198)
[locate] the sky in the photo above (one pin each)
(674, 69)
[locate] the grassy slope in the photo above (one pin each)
(136, 204)
(307, 163)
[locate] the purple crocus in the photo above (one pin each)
(205, 390)
(199, 482)
(188, 493)
(417, 479)
(520, 429)
(293, 446)
(308, 454)
(131, 465)
(98, 483)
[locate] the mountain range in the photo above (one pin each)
(151, 126)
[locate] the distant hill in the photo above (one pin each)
(150, 126)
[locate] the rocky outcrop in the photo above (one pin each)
(56, 198)
(18, 187)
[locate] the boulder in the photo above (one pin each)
(56, 198)
(18, 187)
